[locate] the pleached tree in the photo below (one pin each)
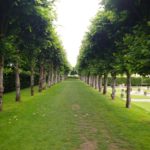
(29, 43)
(117, 38)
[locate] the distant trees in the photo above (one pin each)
(73, 72)
(28, 40)
(117, 43)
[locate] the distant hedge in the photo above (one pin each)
(135, 81)
(9, 80)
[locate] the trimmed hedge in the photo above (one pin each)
(135, 81)
(9, 81)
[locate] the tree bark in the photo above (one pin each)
(128, 98)
(55, 77)
(105, 84)
(1, 81)
(52, 77)
(41, 78)
(92, 81)
(88, 79)
(18, 95)
(100, 83)
(32, 80)
(44, 79)
(59, 78)
(97, 82)
(113, 94)
(49, 76)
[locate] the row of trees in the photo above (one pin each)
(29, 42)
(118, 42)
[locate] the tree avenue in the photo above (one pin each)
(118, 42)
(29, 45)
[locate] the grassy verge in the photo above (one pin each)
(69, 116)
(143, 105)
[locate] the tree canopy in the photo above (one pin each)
(117, 41)
(29, 42)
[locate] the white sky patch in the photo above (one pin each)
(73, 21)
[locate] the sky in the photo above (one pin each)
(73, 20)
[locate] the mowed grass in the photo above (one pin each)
(68, 115)
(143, 105)
(133, 96)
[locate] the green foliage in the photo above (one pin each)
(73, 72)
(135, 81)
(118, 40)
(9, 82)
(28, 36)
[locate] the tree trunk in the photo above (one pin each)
(18, 97)
(44, 79)
(87, 79)
(128, 99)
(49, 76)
(63, 77)
(41, 78)
(105, 84)
(97, 82)
(59, 78)
(32, 81)
(52, 77)
(55, 76)
(92, 81)
(1, 81)
(113, 94)
(100, 83)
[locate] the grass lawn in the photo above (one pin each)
(144, 105)
(140, 97)
(72, 116)
(132, 95)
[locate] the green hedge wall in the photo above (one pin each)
(135, 81)
(9, 81)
